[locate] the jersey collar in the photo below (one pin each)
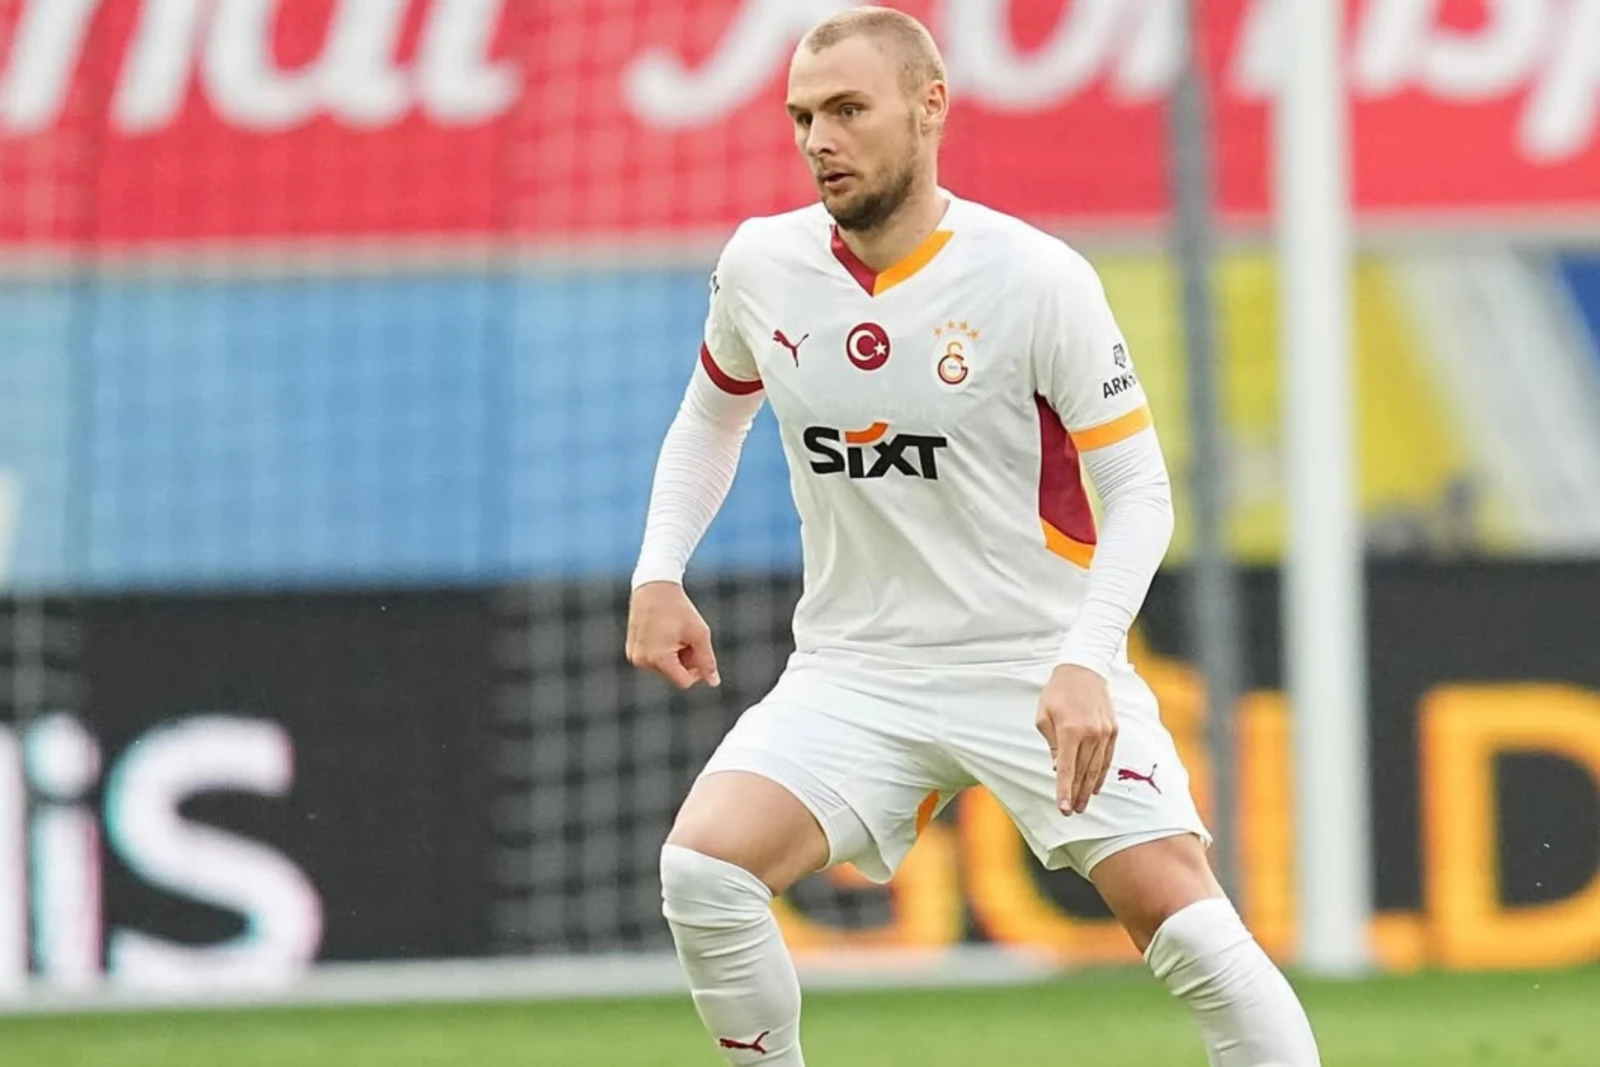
(876, 283)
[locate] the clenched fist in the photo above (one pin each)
(667, 635)
(1078, 724)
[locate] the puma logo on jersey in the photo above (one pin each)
(874, 452)
(1119, 385)
(792, 346)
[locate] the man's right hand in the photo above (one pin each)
(667, 635)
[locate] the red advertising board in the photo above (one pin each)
(131, 122)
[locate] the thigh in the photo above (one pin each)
(1146, 795)
(752, 822)
(859, 756)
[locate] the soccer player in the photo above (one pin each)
(943, 376)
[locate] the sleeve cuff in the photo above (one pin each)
(1076, 651)
(645, 573)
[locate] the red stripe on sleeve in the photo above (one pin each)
(1063, 501)
(725, 382)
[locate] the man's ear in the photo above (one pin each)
(935, 105)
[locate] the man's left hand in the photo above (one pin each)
(1077, 722)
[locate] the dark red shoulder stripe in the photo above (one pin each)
(728, 384)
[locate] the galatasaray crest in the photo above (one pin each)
(954, 342)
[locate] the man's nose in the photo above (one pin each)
(820, 139)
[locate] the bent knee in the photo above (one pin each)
(1147, 884)
(705, 891)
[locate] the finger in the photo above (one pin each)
(693, 661)
(1067, 745)
(1109, 757)
(1090, 757)
(669, 667)
(702, 659)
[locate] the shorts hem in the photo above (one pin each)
(810, 791)
(1084, 856)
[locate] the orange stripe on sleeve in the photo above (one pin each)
(1116, 430)
(1068, 549)
(725, 381)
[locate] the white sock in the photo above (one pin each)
(1248, 1014)
(739, 969)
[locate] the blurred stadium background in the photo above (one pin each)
(336, 341)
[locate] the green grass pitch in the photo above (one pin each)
(1117, 1019)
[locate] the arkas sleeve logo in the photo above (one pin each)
(1120, 383)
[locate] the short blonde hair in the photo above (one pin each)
(921, 61)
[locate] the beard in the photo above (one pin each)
(870, 210)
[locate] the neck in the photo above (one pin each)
(883, 246)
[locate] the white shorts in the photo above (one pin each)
(875, 751)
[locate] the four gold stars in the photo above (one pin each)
(964, 328)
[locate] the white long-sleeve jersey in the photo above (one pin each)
(938, 419)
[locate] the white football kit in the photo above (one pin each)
(938, 419)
